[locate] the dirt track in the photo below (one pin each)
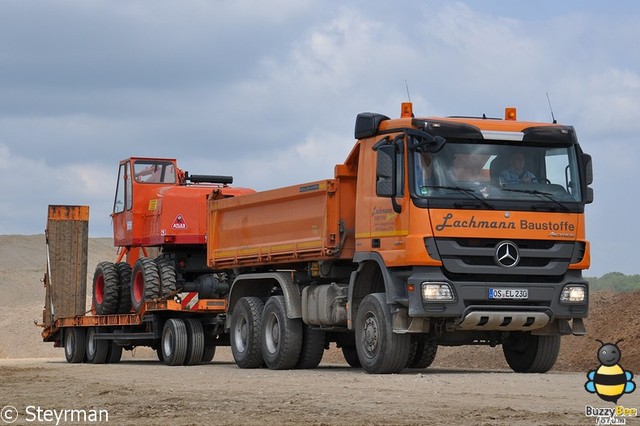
(467, 385)
(149, 393)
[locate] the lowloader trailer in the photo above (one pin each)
(434, 231)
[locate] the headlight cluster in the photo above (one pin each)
(573, 293)
(437, 292)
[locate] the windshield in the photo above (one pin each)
(498, 171)
(152, 171)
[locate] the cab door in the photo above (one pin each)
(122, 207)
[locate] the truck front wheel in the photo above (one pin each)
(281, 341)
(245, 332)
(380, 350)
(526, 353)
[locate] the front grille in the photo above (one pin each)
(477, 256)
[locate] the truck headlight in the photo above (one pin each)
(437, 292)
(573, 293)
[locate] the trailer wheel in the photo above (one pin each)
(313, 342)
(351, 356)
(281, 337)
(74, 343)
(167, 272)
(115, 353)
(380, 350)
(423, 351)
(526, 353)
(174, 342)
(209, 352)
(124, 297)
(97, 349)
(246, 319)
(195, 342)
(105, 288)
(145, 282)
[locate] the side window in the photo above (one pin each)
(400, 172)
(119, 204)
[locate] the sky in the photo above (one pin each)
(268, 91)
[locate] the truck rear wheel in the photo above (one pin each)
(281, 337)
(145, 282)
(380, 350)
(124, 297)
(74, 344)
(97, 349)
(423, 351)
(526, 353)
(246, 319)
(195, 342)
(105, 289)
(312, 348)
(208, 353)
(174, 342)
(351, 356)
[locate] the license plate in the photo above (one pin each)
(508, 293)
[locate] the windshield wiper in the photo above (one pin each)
(470, 192)
(539, 193)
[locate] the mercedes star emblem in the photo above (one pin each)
(507, 254)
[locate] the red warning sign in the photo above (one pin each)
(179, 223)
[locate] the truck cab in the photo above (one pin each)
(476, 227)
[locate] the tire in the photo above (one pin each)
(159, 353)
(351, 356)
(280, 337)
(124, 296)
(145, 282)
(246, 319)
(105, 289)
(208, 353)
(167, 272)
(313, 342)
(380, 350)
(526, 353)
(423, 351)
(195, 342)
(115, 353)
(74, 344)
(174, 342)
(97, 350)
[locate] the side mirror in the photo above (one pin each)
(384, 171)
(588, 168)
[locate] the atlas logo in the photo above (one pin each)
(507, 254)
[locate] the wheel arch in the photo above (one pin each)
(261, 285)
(372, 276)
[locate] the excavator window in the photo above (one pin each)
(154, 172)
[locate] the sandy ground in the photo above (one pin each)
(467, 385)
(148, 393)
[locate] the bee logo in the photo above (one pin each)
(610, 381)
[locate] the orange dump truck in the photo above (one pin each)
(434, 231)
